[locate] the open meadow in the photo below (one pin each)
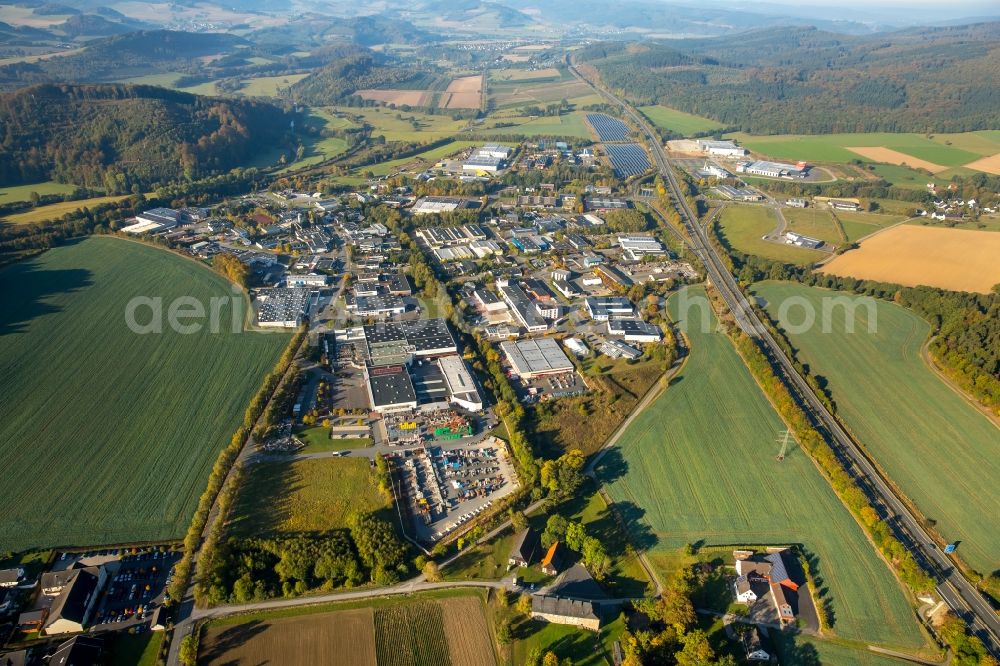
(940, 450)
(907, 254)
(107, 435)
(268, 86)
(814, 223)
(14, 193)
(310, 495)
(438, 629)
(686, 124)
(558, 85)
(936, 152)
(398, 125)
(744, 227)
(699, 466)
(57, 210)
(859, 225)
(571, 124)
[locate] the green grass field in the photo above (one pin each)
(678, 121)
(56, 210)
(317, 440)
(397, 125)
(940, 450)
(901, 176)
(814, 223)
(108, 436)
(800, 649)
(163, 79)
(571, 124)
(744, 227)
(23, 192)
(304, 496)
(268, 86)
(428, 157)
(859, 225)
(951, 150)
(699, 465)
(136, 649)
(580, 646)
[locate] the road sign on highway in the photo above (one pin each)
(950, 548)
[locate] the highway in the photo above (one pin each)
(954, 588)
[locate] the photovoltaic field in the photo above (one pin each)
(108, 436)
(941, 451)
(628, 159)
(700, 465)
(608, 128)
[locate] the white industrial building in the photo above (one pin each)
(721, 148)
(307, 280)
(536, 357)
(461, 388)
(636, 247)
(634, 330)
(154, 221)
(773, 169)
(495, 150)
(792, 238)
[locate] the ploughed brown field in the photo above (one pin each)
(463, 93)
(989, 164)
(346, 636)
(955, 259)
(449, 631)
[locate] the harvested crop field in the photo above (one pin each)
(940, 450)
(437, 629)
(398, 97)
(956, 259)
(699, 465)
(126, 426)
(346, 636)
(989, 164)
(463, 93)
(469, 642)
(890, 156)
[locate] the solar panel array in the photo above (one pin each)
(608, 128)
(628, 159)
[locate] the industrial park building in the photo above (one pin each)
(536, 357)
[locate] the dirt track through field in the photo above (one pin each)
(890, 156)
(956, 259)
(989, 164)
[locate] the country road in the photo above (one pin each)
(953, 587)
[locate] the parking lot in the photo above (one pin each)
(135, 589)
(444, 487)
(562, 385)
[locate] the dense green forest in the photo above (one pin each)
(119, 137)
(802, 80)
(133, 54)
(346, 74)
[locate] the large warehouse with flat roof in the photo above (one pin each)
(533, 358)
(398, 341)
(390, 389)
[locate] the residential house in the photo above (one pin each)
(564, 610)
(523, 549)
(552, 561)
(72, 609)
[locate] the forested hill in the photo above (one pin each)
(802, 80)
(346, 74)
(122, 56)
(119, 136)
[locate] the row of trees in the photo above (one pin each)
(220, 471)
